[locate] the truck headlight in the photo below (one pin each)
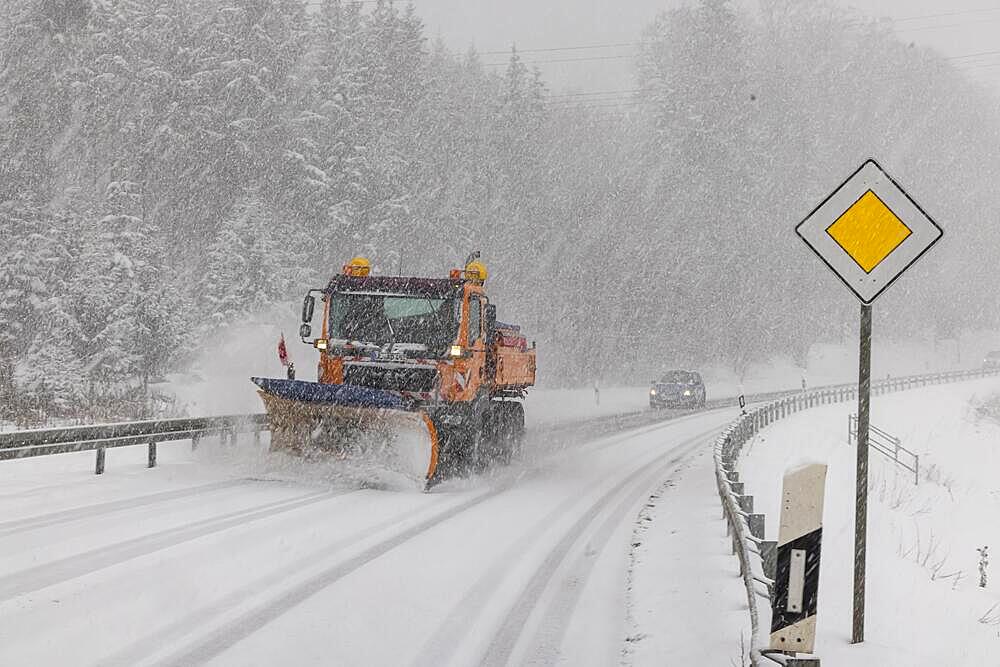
(687, 392)
(321, 343)
(456, 351)
(652, 392)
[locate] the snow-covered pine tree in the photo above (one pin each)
(51, 376)
(33, 263)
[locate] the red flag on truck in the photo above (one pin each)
(282, 351)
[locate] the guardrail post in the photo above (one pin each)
(756, 524)
(256, 436)
(746, 503)
(194, 441)
(733, 476)
(151, 455)
(99, 465)
(736, 488)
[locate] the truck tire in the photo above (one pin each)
(461, 441)
(475, 441)
(509, 430)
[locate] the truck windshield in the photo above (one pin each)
(394, 318)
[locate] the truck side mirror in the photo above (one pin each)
(308, 306)
(491, 323)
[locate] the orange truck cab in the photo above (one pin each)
(436, 344)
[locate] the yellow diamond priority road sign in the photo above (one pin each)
(869, 231)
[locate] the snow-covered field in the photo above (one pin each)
(217, 558)
(925, 606)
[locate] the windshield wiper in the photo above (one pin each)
(437, 315)
(392, 334)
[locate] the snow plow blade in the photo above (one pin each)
(371, 430)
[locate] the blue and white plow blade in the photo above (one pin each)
(373, 431)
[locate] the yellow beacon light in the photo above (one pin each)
(359, 267)
(476, 271)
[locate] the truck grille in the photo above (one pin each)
(391, 379)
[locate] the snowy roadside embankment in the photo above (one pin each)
(925, 606)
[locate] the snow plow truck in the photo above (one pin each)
(416, 377)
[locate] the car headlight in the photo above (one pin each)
(687, 392)
(652, 392)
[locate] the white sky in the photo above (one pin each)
(956, 27)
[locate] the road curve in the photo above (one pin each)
(526, 566)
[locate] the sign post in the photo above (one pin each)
(869, 231)
(861, 479)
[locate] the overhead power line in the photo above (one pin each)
(562, 48)
(946, 26)
(563, 60)
(949, 14)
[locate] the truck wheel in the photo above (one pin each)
(461, 445)
(510, 431)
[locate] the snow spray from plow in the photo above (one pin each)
(371, 429)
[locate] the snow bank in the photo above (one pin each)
(924, 603)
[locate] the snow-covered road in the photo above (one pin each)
(199, 561)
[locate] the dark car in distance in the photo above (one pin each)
(677, 389)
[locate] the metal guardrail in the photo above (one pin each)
(44, 442)
(747, 528)
(886, 444)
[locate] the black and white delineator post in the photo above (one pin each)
(796, 580)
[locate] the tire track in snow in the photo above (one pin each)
(97, 509)
(78, 565)
(502, 647)
(187, 626)
(549, 457)
(551, 633)
(218, 641)
(246, 624)
(441, 648)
